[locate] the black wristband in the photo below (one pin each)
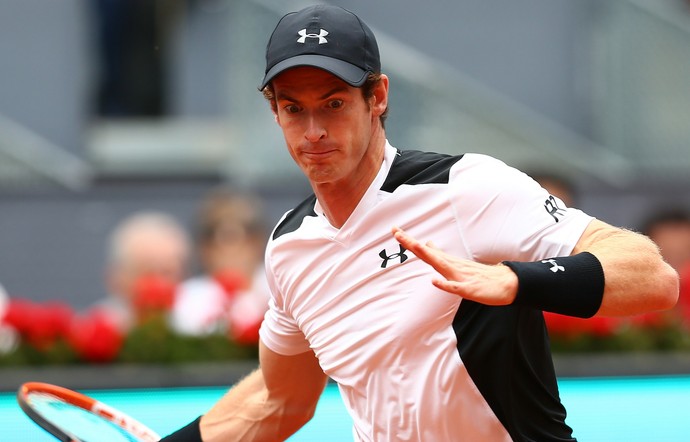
(569, 285)
(188, 433)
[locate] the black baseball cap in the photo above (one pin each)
(323, 36)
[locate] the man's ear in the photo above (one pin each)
(380, 96)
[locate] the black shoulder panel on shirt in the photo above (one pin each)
(417, 167)
(294, 219)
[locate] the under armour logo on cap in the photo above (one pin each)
(325, 37)
(321, 36)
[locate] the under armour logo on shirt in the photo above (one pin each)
(321, 36)
(555, 267)
(386, 257)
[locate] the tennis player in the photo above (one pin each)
(438, 340)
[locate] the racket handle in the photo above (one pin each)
(189, 433)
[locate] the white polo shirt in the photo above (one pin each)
(391, 340)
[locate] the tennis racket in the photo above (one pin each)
(74, 417)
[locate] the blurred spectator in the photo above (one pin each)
(147, 259)
(558, 186)
(232, 293)
(670, 230)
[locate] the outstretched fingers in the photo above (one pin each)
(428, 252)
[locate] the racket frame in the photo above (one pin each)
(83, 402)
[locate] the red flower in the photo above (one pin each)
(232, 281)
(95, 337)
(52, 322)
(19, 314)
(570, 327)
(40, 324)
(653, 320)
(603, 326)
(245, 334)
(153, 293)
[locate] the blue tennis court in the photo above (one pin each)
(600, 409)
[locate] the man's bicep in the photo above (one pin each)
(298, 377)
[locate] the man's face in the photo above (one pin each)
(327, 124)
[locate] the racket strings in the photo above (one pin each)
(80, 424)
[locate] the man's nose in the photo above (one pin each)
(315, 130)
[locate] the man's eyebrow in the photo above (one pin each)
(282, 96)
(333, 91)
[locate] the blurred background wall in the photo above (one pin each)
(111, 106)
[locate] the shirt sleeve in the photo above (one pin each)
(504, 214)
(279, 331)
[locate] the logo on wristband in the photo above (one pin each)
(555, 267)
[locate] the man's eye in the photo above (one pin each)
(292, 108)
(335, 104)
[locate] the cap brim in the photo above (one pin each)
(349, 73)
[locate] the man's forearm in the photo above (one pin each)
(248, 413)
